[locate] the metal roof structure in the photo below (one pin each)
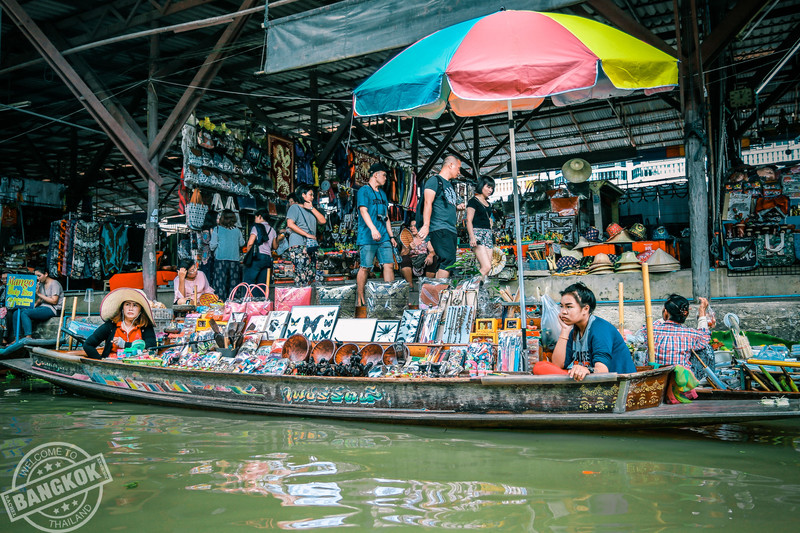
(49, 135)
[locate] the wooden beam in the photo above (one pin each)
(524, 120)
(132, 148)
(201, 81)
(774, 96)
(721, 36)
(443, 144)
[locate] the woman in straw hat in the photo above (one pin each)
(674, 340)
(587, 343)
(128, 318)
(479, 224)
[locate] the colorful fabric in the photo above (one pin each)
(304, 272)
(86, 251)
(674, 342)
(114, 249)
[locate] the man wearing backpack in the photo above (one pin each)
(440, 203)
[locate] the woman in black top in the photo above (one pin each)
(128, 319)
(479, 224)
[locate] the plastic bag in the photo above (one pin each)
(288, 297)
(551, 324)
(386, 300)
(343, 295)
(429, 291)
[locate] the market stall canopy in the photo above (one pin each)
(522, 56)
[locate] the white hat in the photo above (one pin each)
(114, 300)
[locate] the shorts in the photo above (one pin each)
(484, 237)
(383, 250)
(444, 246)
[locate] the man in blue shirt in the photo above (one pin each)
(374, 229)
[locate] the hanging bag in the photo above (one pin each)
(196, 211)
(741, 254)
(234, 306)
(253, 253)
(776, 250)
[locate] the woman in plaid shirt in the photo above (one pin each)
(675, 341)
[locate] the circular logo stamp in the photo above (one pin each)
(56, 487)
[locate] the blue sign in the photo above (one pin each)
(20, 291)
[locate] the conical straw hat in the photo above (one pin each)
(622, 237)
(662, 258)
(582, 243)
(628, 258)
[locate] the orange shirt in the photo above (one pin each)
(133, 335)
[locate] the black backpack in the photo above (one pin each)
(421, 203)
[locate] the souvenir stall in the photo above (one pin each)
(761, 218)
(452, 331)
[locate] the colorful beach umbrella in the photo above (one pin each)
(479, 65)
(511, 61)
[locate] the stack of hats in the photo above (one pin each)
(566, 264)
(622, 236)
(592, 234)
(613, 230)
(628, 263)
(602, 264)
(661, 261)
(638, 231)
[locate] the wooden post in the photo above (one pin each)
(74, 308)
(648, 310)
(151, 221)
(60, 323)
(621, 310)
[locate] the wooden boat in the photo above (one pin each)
(516, 401)
(20, 347)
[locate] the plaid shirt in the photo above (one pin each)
(674, 342)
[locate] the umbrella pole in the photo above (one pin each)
(518, 232)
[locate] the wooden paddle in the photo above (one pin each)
(621, 310)
(648, 312)
(712, 377)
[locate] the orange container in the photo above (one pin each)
(648, 246)
(599, 249)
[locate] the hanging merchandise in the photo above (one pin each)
(114, 238)
(282, 170)
(216, 203)
(196, 211)
(86, 251)
(362, 162)
(304, 158)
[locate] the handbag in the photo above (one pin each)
(255, 307)
(196, 211)
(775, 250)
(231, 305)
(741, 254)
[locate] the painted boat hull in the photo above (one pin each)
(511, 401)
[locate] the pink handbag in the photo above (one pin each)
(232, 306)
(258, 308)
(288, 297)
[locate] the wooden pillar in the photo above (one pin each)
(151, 224)
(695, 150)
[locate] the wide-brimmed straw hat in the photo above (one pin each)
(114, 300)
(628, 258)
(602, 260)
(576, 254)
(622, 237)
(498, 261)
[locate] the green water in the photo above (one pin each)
(194, 471)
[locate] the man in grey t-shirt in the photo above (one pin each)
(439, 214)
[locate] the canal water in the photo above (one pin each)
(201, 471)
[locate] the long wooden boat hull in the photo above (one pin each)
(510, 401)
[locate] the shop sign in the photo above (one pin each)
(20, 291)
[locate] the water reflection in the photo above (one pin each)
(205, 471)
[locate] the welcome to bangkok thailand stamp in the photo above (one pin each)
(56, 487)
